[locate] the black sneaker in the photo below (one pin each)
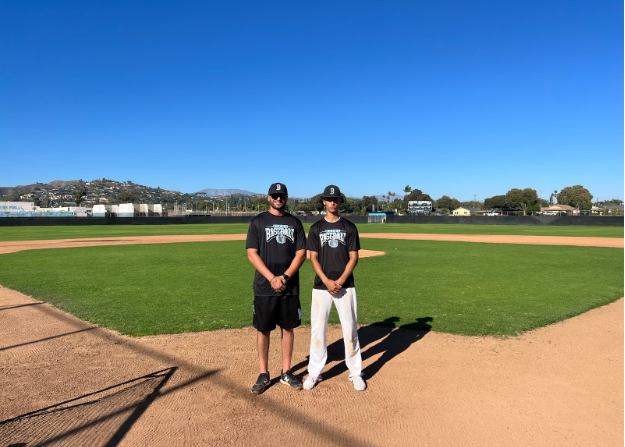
(289, 379)
(261, 383)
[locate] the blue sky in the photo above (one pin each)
(451, 97)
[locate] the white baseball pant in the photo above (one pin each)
(345, 302)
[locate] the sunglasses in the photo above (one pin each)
(278, 196)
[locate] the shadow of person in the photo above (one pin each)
(397, 342)
(391, 341)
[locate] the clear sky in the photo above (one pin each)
(460, 98)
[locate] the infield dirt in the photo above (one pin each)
(79, 384)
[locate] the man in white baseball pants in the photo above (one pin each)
(333, 243)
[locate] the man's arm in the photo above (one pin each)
(277, 282)
(332, 286)
(349, 268)
(298, 261)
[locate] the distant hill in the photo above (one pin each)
(227, 192)
(21, 189)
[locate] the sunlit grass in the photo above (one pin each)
(99, 231)
(465, 288)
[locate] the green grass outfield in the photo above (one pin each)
(97, 231)
(464, 288)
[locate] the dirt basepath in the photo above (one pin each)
(79, 384)
(504, 239)
(13, 246)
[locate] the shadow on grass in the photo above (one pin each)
(383, 337)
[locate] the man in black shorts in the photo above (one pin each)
(276, 247)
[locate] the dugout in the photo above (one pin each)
(387, 217)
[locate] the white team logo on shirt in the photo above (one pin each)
(280, 233)
(332, 237)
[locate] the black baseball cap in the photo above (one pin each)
(331, 191)
(278, 188)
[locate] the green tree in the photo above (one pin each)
(577, 196)
(522, 198)
(397, 204)
(407, 190)
(126, 197)
(316, 203)
(495, 202)
(368, 202)
(346, 205)
(553, 194)
(416, 195)
(79, 197)
(448, 203)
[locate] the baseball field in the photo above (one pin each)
(471, 335)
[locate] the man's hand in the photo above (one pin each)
(334, 287)
(278, 283)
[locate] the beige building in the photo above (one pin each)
(461, 212)
(561, 209)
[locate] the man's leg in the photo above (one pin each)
(287, 348)
(346, 307)
(264, 322)
(291, 317)
(319, 314)
(262, 345)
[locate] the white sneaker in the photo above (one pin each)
(310, 382)
(359, 383)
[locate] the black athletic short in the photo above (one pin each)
(282, 310)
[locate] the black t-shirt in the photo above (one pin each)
(333, 241)
(277, 239)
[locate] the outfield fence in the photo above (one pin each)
(594, 221)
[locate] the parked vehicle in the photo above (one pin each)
(492, 213)
(549, 213)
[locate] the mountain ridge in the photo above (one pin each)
(214, 192)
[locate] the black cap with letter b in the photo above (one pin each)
(278, 188)
(331, 191)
